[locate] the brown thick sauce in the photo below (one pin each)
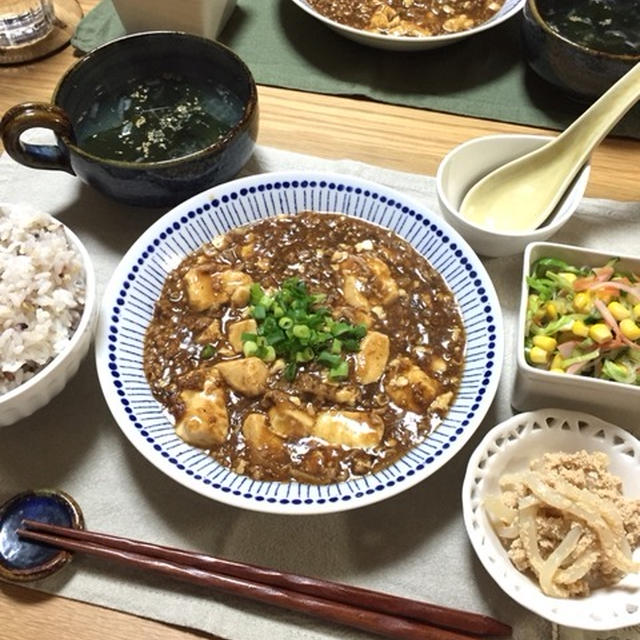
(409, 17)
(409, 304)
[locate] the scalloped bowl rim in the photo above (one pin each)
(493, 453)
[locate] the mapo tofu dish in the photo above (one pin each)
(313, 347)
(409, 17)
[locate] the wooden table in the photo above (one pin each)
(396, 137)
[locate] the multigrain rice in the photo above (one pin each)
(42, 292)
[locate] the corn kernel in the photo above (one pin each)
(636, 310)
(538, 355)
(582, 301)
(630, 329)
(552, 310)
(580, 329)
(545, 342)
(557, 370)
(618, 311)
(569, 277)
(556, 363)
(600, 333)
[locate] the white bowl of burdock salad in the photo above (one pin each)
(47, 309)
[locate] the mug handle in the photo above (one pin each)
(39, 156)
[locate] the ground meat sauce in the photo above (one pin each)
(244, 412)
(409, 17)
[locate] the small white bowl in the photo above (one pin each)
(37, 391)
(467, 163)
(535, 387)
(411, 43)
(508, 448)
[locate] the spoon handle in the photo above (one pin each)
(585, 133)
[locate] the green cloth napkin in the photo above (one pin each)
(483, 76)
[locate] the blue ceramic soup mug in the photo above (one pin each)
(149, 119)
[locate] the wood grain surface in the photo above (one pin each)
(327, 126)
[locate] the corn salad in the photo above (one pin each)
(584, 320)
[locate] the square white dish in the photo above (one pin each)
(536, 387)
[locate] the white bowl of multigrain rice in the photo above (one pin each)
(48, 309)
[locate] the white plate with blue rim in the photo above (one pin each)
(130, 297)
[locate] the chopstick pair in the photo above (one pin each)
(376, 612)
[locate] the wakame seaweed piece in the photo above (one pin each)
(604, 25)
(155, 119)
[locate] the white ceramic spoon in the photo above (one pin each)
(520, 195)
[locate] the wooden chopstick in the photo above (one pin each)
(372, 611)
(364, 619)
(445, 617)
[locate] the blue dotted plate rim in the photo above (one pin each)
(160, 248)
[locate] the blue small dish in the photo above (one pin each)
(584, 73)
(21, 560)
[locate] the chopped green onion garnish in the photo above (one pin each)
(290, 371)
(330, 359)
(301, 331)
(256, 293)
(259, 312)
(351, 344)
(360, 331)
(306, 355)
(208, 352)
(340, 328)
(340, 371)
(250, 348)
(291, 326)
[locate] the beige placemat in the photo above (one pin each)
(630, 633)
(414, 544)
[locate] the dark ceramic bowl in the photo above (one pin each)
(583, 72)
(109, 71)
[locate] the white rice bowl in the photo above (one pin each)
(42, 292)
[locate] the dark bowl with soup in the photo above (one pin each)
(583, 46)
(149, 119)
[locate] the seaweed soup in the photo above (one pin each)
(612, 26)
(159, 118)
